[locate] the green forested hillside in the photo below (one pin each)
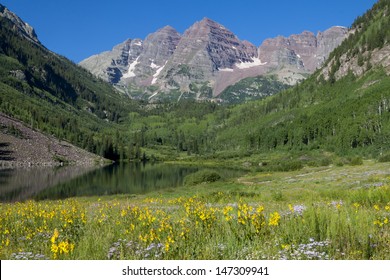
(252, 88)
(347, 116)
(54, 95)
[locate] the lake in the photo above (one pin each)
(41, 183)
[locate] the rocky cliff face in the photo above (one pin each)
(303, 52)
(111, 65)
(135, 61)
(205, 48)
(22, 28)
(208, 57)
(328, 40)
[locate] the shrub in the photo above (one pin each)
(356, 161)
(384, 158)
(202, 176)
(286, 165)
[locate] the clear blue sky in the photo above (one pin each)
(80, 28)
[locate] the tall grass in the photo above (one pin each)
(190, 227)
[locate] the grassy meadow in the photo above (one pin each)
(315, 213)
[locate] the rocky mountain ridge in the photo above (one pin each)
(21, 27)
(208, 58)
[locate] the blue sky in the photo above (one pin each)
(80, 28)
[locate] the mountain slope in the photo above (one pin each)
(23, 146)
(368, 45)
(208, 58)
(338, 110)
(52, 94)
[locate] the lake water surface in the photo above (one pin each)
(59, 183)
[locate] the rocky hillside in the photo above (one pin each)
(23, 146)
(367, 47)
(208, 58)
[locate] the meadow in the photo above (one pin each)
(315, 213)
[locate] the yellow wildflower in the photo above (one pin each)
(378, 223)
(274, 219)
(226, 213)
(55, 236)
(286, 246)
(259, 209)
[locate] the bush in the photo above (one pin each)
(286, 165)
(325, 161)
(339, 162)
(201, 176)
(356, 161)
(384, 158)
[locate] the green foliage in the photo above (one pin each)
(384, 158)
(202, 176)
(282, 165)
(252, 89)
(356, 161)
(52, 94)
(345, 117)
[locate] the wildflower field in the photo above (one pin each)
(315, 214)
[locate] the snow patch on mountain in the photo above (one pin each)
(246, 65)
(158, 73)
(130, 73)
(226, 70)
(154, 66)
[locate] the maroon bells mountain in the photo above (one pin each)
(208, 57)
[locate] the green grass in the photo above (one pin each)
(326, 212)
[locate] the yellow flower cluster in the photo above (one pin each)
(60, 247)
(226, 212)
(196, 210)
(356, 205)
(247, 215)
(55, 228)
(24, 226)
(274, 219)
(381, 222)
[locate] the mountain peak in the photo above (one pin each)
(206, 20)
(21, 27)
(209, 23)
(208, 55)
(167, 28)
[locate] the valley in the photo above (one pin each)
(303, 119)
